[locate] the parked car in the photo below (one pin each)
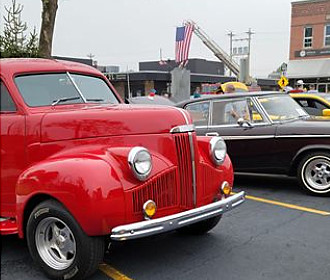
(268, 133)
(151, 100)
(78, 167)
(239, 87)
(315, 104)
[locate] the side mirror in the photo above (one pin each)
(244, 123)
(326, 112)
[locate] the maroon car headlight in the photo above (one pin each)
(139, 160)
(218, 150)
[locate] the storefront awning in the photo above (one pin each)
(309, 68)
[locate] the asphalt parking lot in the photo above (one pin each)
(278, 233)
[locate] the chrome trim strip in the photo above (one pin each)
(193, 165)
(231, 125)
(183, 128)
(182, 111)
(175, 221)
(304, 136)
(247, 137)
(261, 110)
(76, 86)
(201, 126)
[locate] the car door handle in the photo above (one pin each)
(212, 134)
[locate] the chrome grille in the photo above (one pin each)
(185, 172)
(162, 189)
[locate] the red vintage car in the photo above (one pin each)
(78, 167)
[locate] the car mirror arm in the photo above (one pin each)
(244, 123)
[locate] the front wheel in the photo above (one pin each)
(201, 227)
(58, 244)
(314, 173)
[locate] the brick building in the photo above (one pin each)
(310, 43)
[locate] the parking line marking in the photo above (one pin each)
(287, 205)
(112, 272)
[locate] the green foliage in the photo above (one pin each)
(13, 41)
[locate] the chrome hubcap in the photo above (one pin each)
(55, 243)
(317, 173)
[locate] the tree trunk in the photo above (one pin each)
(49, 8)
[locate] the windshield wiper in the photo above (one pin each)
(64, 99)
(95, 99)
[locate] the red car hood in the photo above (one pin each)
(100, 121)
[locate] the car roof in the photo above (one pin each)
(320, 94)
(228, 96)
(15, 66)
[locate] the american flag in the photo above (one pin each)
(182, 43)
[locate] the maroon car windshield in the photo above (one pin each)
(281, 107)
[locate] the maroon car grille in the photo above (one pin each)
(161, 189)
(185, 171)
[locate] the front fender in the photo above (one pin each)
(87, 186)
(226, 167)
(302, 152)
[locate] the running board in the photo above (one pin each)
(8, 226)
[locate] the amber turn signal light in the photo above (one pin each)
(226, 188)
(149, 209)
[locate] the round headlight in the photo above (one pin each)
(218, 150)
(139, 159)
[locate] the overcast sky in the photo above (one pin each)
(124, 32)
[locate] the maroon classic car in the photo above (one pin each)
(268, 133)
(78, 167)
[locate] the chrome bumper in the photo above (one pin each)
(172, 222)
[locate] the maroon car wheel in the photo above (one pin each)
(314, 173)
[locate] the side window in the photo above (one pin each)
(302, 102)
(6, 102)
(311, 106)
(228, 112)
(320, 105)
(199, 113)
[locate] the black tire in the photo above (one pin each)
(61, 248)
(313, 173)
(202, 227)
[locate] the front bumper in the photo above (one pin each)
(175, 221)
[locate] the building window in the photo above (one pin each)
(327, 35)
(308, 37)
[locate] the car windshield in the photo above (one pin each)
(281, 107)
(325, 96)
(63, 88)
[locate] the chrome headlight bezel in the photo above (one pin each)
(135, 157)
(218, 150)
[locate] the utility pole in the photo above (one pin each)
(249, 33)
(91, 56)
(128, 84)
(231, 35)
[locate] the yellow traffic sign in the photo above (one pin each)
(283, 82)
